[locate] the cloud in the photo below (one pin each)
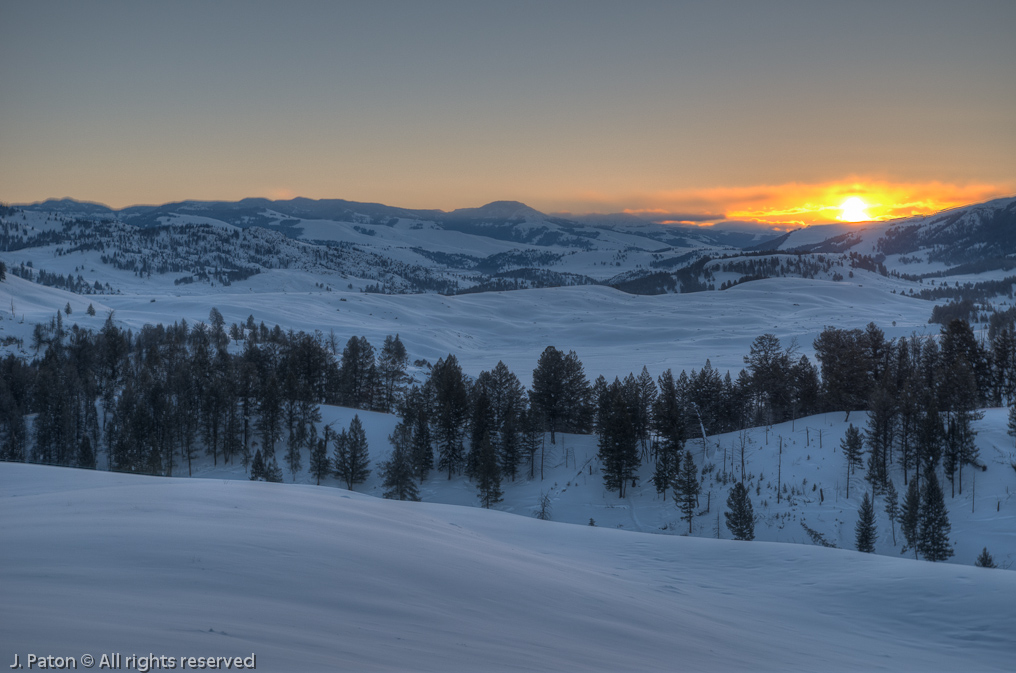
(664, 216)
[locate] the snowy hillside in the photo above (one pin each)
(811, 470)
(613, 332)
(316, 579)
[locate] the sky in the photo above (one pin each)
(694, 112)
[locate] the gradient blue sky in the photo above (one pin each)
(690, 110)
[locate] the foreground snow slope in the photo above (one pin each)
(320, 579)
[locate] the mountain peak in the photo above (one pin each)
(499, 210)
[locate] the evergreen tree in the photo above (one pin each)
(320, 465)
(423, 450)
(618, 443)
(352, 460)
(450, 412)
(548, 389)
(488, 474)
(561, 392)
(86, 455)
(481, 422)
(853, 451)
(646, 393)
(1012, 421)
(805, 388)
(507, 403)
(293, 444)
(357, 374)
(984, 560)
(934, 534)
(892, 507)
(865, 528)
(391, 369)
(768, 367)
(273, 472)
(269, 422)
(842, 357)
(257, 467)
(13, 429)
(910, 518)
(531, 438)
(929, 437)
(687, 489)
(397, 472)
(340, 454)
(543, 514)
(740, 515)
(879, 436)
(668, 424)
(667, 469)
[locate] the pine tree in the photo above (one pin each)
(293, 444)
(668, 466)
(391, 369)
(844, 371)
(934, 536)
(879, 436)
(507, 403)
(352, 459)
(741, 515)
(646, 394)
(865, 528)
(892, 507)
(853, 451)
(548, 389)
(561, 392)
(531, 437)
(257, 467)
(320, 465)
(618, 444)
(984, 560)
(397, 472)
(273, 472)
(910, 517)
(668, 424)
(543, 514)
(488, 474)
(1012, 421)
(481, 423)
(423, 450)
(450, 412)
(687, 489)
(86, 455)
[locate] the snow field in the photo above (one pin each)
(316, 579)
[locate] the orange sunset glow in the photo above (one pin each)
(795, 205)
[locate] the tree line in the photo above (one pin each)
(158, 397)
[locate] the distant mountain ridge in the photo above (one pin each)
(499, 219)
(503, 245)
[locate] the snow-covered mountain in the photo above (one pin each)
(504, 245)
(967, 234)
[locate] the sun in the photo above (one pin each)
(854, 209)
